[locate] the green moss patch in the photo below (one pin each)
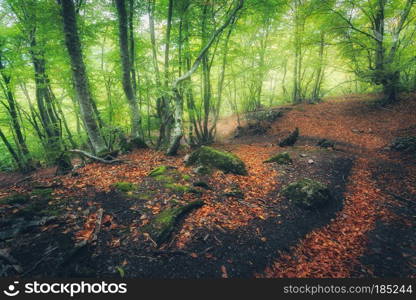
(225, 161)
(161, 170)
(124, 186)
(282, 158)
(162, 226)
(307, 193)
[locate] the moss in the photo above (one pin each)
(180, 188)
(307, 193)
(162, 226)
(203, 170)
(282, 158)
(186, 177)
(225, 161)
(124, 187)
(145, 195)
(164, 178)
(161, 170)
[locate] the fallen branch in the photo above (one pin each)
(96, 158)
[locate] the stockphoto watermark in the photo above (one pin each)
(73, 288)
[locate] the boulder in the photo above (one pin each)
(225, 161)
(307, 193)
(282, 158)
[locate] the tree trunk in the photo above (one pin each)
(73, 45)
(126, 63)
(178, 130)
(12, 152)
(26, 161)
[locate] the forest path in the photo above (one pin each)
(260, 234)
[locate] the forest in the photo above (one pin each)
(208, 138)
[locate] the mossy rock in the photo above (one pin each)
(282, 158)
(307, 193)
(124, 186)
(203, 170)
(225, 161)
(162, 226)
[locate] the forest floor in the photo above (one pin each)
(80, 225)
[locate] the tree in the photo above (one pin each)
(79, 73)
(368, 29)
(178, 99)
(127, 66)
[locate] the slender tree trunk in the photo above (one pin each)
(26, 162)
(126, 63)
(178, 130)
(12, 152)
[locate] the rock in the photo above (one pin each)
(225, 161)
(324, 143)
(302, 155)
(404, 144)
(291, 139)
(162, 226)
(310, 161)
(307, 193)
(282, 158)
